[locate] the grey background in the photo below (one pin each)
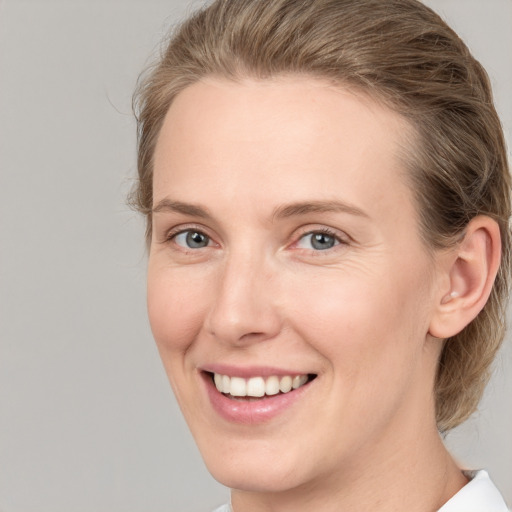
(87, 420)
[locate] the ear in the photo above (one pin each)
(467, 276)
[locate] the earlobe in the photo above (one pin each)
(469, 274)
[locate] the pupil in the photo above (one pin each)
(321, 241)
(195, 239)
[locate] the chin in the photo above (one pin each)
(262, 479)
(251, 471)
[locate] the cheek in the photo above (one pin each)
(176, 308)
(362, 321)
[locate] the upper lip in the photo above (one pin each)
(247, 372)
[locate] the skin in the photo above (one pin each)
(358, 314)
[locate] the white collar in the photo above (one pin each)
(478, 495)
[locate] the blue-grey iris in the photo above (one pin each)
(197, 240)
(322, 241)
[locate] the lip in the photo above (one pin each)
(247, 372)
(250, 412)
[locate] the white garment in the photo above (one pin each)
(478, 495)
(224, 508)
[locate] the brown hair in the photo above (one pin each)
(403, 54)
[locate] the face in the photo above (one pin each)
(289, 291)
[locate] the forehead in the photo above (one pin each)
(309, 107)
(289, 136)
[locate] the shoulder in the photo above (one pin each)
(478, 495)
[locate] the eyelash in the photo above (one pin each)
(338, 240)
(174, 233)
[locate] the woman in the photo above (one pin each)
(327, 200)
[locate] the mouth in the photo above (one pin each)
(258, 387)
(254, 395)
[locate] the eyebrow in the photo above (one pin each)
(306, 207)
(169, 206)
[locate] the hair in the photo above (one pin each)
(400, 53)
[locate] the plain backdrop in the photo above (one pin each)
(87, 419)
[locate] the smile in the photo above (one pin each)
(254, 399)
(258, 387)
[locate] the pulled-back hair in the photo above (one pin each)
(402, 54)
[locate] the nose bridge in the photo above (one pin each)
(243, 308)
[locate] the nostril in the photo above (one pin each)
(252, 336)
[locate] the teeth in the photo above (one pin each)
(258, 386)
(226, 384)
(299, 381)
(272, 386)
(238, 387)
(255, 387)
(286, 384)
(217, 378)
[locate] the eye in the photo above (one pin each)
(192, 239)
(318, 240)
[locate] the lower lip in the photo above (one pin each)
(251, 412)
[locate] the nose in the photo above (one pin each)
(244, 307)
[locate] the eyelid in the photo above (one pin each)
(170, 234)
(182, 238)
(342, 240)
(340, 236)
(311, 236)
